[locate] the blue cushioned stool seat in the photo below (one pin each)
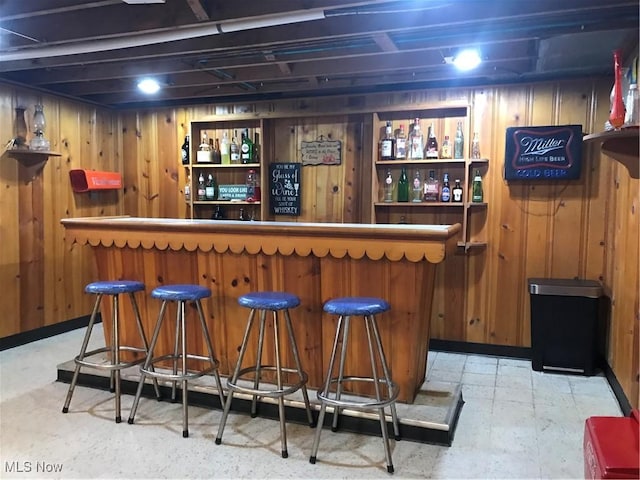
(356, 306)
(181, 292)
(269, 300)
(114, 287)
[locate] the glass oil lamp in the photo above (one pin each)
(39, 142)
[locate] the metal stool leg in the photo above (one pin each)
(387, 375)
(83, 351)
(276, 341)
(147, 362)
(234, 377)
(256, 380)
(176, 347)
(368, 320)
(145, 343)
(185, 390)
(212, 356)
(343, 358)
(296, 357)
(116, 353)
(325, 392)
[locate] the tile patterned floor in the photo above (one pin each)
(516, 423)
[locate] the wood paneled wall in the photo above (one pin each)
(586, 228)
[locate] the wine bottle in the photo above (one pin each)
(476, 188)
(234, 148)
(185, 151)
(432, 144)
(224, 149)
(216, 155)
(401, 144)
(445, 192)
(458, 143)
(416, 142)
(457, 191)
(403, 186)
(246, 148)
(201, 194)
(387, 144)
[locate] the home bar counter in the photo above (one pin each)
(316, 261)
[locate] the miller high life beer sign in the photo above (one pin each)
(543, 153)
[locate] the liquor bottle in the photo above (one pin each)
(432, 144)
(417, 188)
(387, 144)
(242, 216)
(256, 147)
(203, 155)
(201, 193)
(216, 155)
(475, 146)
(416, 143)
(185, 151)
(431, 189)
(253, 187)
(403, 186)
(388, 187)
(211, 192)
(457, 191)
(458, 143)
(187, 189)
(476, 188)
(246, 149)
(401, 144)
(218, 214)
(445, 151)
(224, 149)
(211, 150)
(445, 192)
(234, 148)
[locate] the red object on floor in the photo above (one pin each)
(612, 447)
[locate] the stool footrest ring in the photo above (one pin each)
(150, 371)
(268, 393)
(358, 404)
(110, 366)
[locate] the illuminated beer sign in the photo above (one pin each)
(543, 153)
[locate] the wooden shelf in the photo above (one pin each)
(30, 157)
(225, 165)
(621, 145)
(223, 202)
(419, 204)
(472, 245)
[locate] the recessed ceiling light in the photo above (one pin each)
(467, 59)
(149, 86)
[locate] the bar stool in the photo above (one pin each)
(114, 364)
(263, 302)
(181, 294)
(386, 392)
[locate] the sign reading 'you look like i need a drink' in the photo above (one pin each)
(543, 153)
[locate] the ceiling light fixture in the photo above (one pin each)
(149, 86)
(467, 60)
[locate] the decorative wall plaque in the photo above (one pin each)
(284, 188)
(543, 153)
(321, 152)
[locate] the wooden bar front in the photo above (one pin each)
(315, 261)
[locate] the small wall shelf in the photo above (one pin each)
(621, 145)
(30, 157)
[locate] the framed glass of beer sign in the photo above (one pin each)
(543, 153)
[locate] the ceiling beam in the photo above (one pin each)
(198, 10)
(384, 42)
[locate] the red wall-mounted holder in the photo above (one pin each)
(90, 180)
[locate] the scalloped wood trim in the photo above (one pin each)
(415, 243)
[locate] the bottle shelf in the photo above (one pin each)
(431, 161)
(224, 165)
(420, 204)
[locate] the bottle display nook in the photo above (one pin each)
(225, 170)
(443, 163)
